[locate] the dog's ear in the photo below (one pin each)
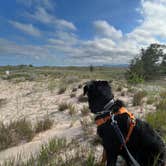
(85, 90)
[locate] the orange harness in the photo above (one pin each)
(122, 110)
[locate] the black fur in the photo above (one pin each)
(144, 144)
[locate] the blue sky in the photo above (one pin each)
(75, 32)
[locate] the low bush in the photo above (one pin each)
(63, 106)
(61, 89)
(137, 99)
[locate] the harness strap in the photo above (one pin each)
(101, 121)
(122, 110)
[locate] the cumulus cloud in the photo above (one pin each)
(27, 28)
(111, 44)
(104, 28)
(108, 45)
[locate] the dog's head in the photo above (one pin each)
(99, 94)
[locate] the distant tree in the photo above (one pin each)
(30, 65)
(150, 63)
(91, 68)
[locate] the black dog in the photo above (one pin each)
(145, 145)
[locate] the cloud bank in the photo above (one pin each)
(109, 45)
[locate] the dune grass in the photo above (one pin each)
(44, 124)
(21, 131)
(15, 133)
(60, 152)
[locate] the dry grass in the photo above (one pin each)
(63, 106)
(3, 101)
(60, 152)
(21, 131)
(162, 104)
(43, 125)
(137, 99)
(72, 95)
(157, 121)
(82, 98)
(62, 89)
(72, 109)
(15, 133)
(85, 110)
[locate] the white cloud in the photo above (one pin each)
(43, 16)
(109, 45)
(103, 28)
(27, 28)
(47, 4)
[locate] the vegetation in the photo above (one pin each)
(137, 99)
(63, 106)
(15, 132)
(72, 95)
(62, 89)
(44, 124)
(82, 98)
(63, 152)
(85, 110)
(158, 122)
(21, 131)
(150, 64)
(72, 109)
(60, 152)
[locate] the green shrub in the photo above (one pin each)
(137, 99)
(134, 78)
(158, 121)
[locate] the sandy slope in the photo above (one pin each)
(33, 100)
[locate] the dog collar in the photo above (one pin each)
(106, 107)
